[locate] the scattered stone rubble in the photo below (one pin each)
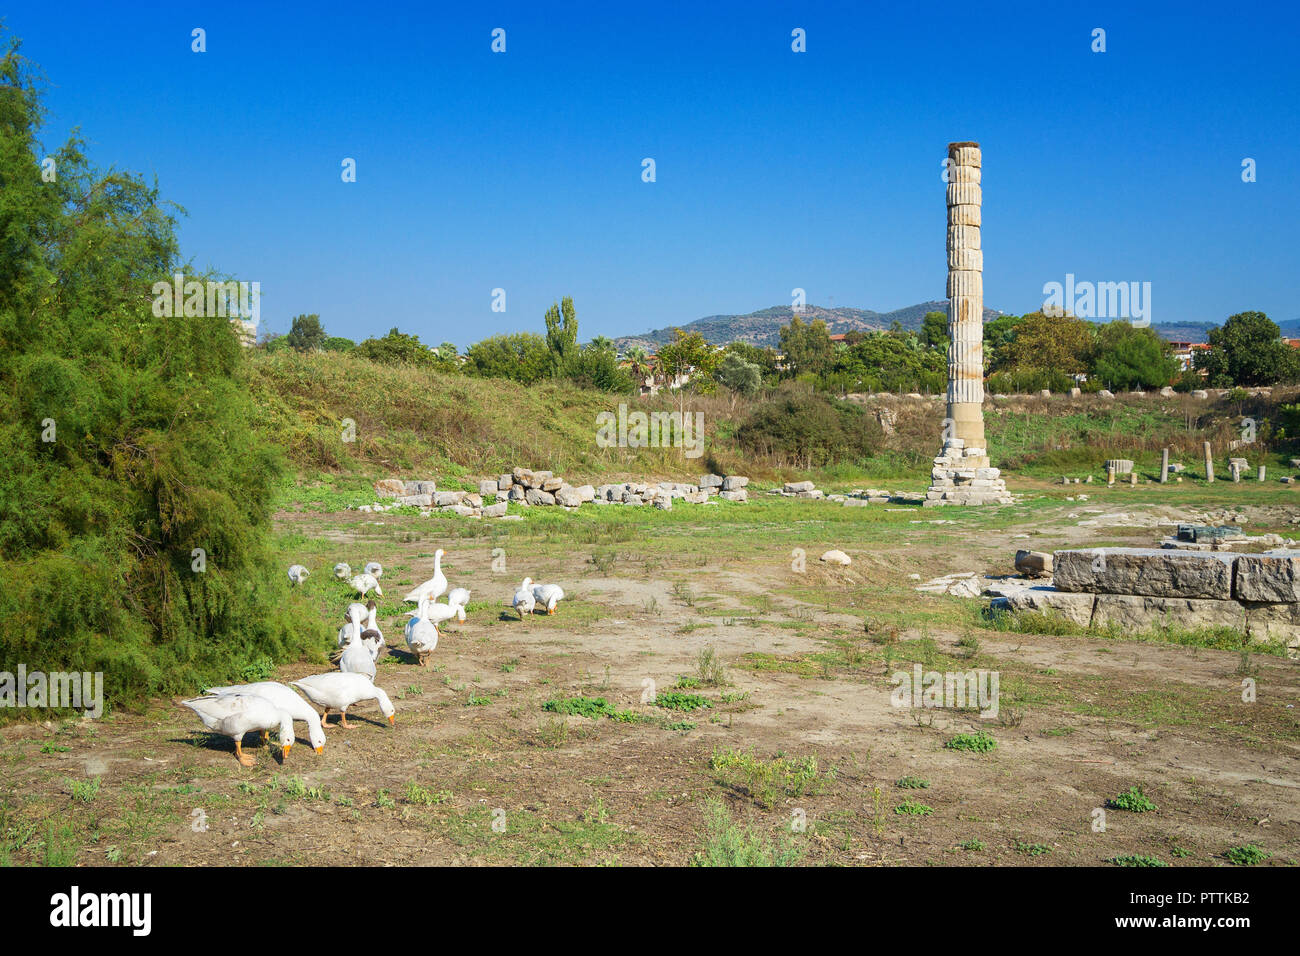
(526, 488)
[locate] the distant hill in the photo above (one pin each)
(1200, 331)
(763, 327)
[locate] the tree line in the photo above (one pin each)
(1022, 353)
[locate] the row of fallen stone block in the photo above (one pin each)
(1162, 572)
(1137, 589)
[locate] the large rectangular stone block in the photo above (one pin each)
(1135, 612)
(1274, 576)
(1152, 572)
(1274, 622)
(1072, 606)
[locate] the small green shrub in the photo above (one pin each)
(979, 742)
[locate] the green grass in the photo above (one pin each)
(911, 783)
(727, 843)
(767, 780)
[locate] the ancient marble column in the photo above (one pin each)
(962, 474)
(965, 296)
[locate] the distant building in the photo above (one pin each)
(1185, 352)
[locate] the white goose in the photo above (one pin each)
(422, 633)
(524, 599)
(342, 571)
(284, 698)
(236, 714)
(297, 574)
(339, 691)
(356, 657)
(355, 614)
(436, 586)
(548, 595)
(375, 568)
(438, 613)
(364, 583)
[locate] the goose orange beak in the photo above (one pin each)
(320, 750)
(285, 750)
(393, 719)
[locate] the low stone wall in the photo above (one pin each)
(1137, 589)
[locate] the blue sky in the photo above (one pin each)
(775, 169)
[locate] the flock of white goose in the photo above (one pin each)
(266, 706)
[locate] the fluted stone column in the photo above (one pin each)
(965, 296)
(962, 474)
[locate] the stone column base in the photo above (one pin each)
(962, 476)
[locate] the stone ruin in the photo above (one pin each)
(1139, 589)
(527, 488)
(962, 474)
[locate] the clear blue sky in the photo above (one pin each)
(775, 169)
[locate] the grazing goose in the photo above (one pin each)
(548, 595)
(364, 583)
(375, 568)
(297, 574)
(339, 691)
(236, 714)
(524, 599)
(342, 571)
(284, 698)
(422, 633)
(436, 586)
(356, 657)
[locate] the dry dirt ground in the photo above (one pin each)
(799, 751)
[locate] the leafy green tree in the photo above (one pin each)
(597, 367)
(136, 489)
(764, 358)
(562, 336)
(1054, 343)
(887, 362)
(934, 331)
(306, 334)
(337, 343)
(688, 354)
(522, 357)
(1248, 350)
(999, 333)
(397, 348)
(807, 347)
(1127, 357)
(740, 376)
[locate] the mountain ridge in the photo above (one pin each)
(763, 327)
